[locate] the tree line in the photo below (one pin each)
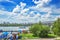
(41, 30)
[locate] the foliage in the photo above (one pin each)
(28, 36)
(35, 29)
(51, 36)
(40, 30)
(44, 32)
(56, 27)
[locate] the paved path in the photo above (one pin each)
(42, 39)
(58, 38)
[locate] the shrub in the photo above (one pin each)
(56, 27)
(40, 30)
(44, 32)
(35, 29)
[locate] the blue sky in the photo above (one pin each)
(29, 11)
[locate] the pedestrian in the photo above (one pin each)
(14, 36)
(19, 36)
(10, 36)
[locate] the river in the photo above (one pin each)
(13, 28)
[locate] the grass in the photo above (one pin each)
(52, 35)
(28, 36)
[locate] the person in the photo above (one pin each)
(19, 36)
(4, 35)
(10, 36)
(0, 34)
(14, 36)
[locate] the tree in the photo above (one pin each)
(40, 30)
(56, 27)
(44, 32)
(35, 29)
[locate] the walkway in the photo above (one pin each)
(42, 39)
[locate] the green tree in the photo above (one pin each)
(44, 31)
(56, 27)
(40, 30)
(35, 29)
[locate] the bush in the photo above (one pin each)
(40, 30)
(35, 29)
(44, 32)
(56, 27)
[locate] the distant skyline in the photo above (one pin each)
(29, 11)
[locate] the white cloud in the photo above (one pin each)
(6, 13)
(17, 9)
(48, 10)
(2, 7)
(57, 11)
(20, 14)
(38, 15)
(20, 8)
(24, 10)
(8, 1)
(22, 5)
(41, 2)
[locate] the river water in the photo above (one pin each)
(14, 28)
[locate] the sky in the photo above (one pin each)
(29, 11)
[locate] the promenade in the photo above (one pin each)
(42, 39)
